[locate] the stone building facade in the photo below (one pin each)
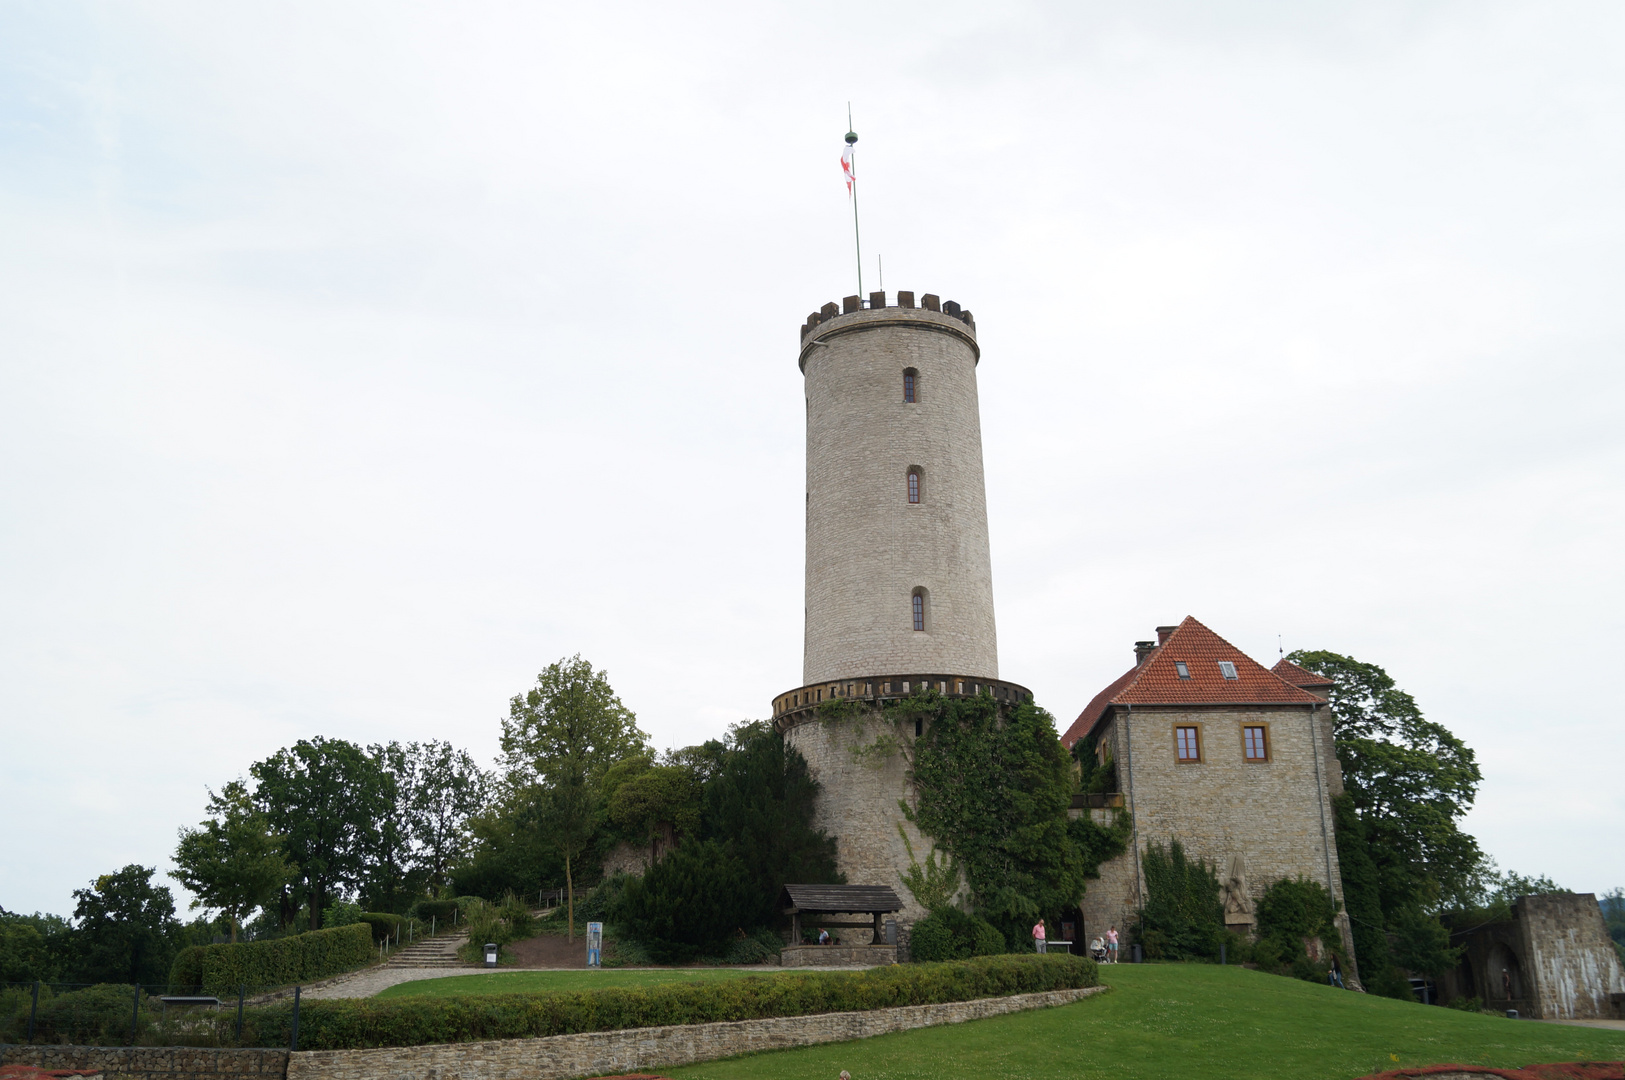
(1232, 759)
(899, 583)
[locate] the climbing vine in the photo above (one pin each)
(993, 786)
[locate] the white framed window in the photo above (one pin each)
(1228, 669)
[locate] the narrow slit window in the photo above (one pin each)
(1184, 671)
(919, 612)
(1188, 743)
(1228, 669)
(1255, 743)
(910, 379)
(913, 487)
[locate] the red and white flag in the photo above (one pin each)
(846, 166)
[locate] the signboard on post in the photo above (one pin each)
(595, 944)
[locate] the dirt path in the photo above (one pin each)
(549, 951)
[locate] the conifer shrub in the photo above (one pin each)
(691, 903)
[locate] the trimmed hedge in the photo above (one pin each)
(354, 1023)
(442, 911)
(383, 925)
(220, 969)
(186, 973)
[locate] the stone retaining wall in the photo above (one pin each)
(154, 1062)
(564, 1057)
(837, 955)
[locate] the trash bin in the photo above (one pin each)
(490, 954)
(1512, 1014)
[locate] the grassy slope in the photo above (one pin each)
(521, 982)
(1190, 1022)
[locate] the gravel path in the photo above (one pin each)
(376, 979)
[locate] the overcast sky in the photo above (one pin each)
(359, 360)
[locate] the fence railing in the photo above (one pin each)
(128, 1014)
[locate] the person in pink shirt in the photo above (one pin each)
(1038, 935)
(1111, 944)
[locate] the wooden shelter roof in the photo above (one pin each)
(846, 899)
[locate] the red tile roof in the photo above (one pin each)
(1157, 681)
(1298, 676)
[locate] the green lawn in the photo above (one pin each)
(1189, 1022)
(524, 982)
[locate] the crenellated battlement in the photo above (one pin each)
(877, 302)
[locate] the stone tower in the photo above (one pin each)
(899, 579)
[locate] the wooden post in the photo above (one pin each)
(879, 939)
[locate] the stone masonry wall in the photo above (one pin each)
(1570, 958)
(563, 1057)
(1277, 814)
(857, 804)
(868, 547)
(154, 1062)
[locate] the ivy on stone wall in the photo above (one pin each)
(993, 785)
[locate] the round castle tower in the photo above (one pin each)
(899, 578)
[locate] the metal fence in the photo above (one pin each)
(114, 1014)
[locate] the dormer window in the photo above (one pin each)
(1228, 669)
(1184, 671)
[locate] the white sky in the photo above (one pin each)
(359, 360)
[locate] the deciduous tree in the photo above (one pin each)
(125, 928)
(560, 737)
(233, 862)
(326, 798)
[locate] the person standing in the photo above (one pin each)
(1111, 945)
(1038, 935)
(1334, 974)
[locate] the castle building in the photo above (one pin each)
(1233, 760)
(899, 582)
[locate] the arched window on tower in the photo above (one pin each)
(914, 485)
(920, 608)
(911, 386)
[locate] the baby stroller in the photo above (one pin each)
(1097, 950)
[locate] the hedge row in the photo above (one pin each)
(355, 1023)
(383, 925)
(442, 911)
(220, 969)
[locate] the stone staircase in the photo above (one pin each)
(439, 951)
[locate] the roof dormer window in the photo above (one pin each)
(1228, 669)
(1184, 671)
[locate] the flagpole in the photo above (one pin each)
(857, 239)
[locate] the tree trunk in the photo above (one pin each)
(570, 891)
(316, 892)
(233, 919)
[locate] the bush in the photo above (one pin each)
(339, 1024)
(340, 913)
(757, 948)
(383, 925)
(220, 969)
(1289, 912)
(597, 905)
(95, 1016)
(950, 934)
(690, 903)
(186, 973)
(443, 912)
